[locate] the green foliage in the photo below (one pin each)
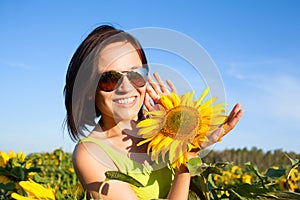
(114, 175)
(263, 186)
(53, 170)
(211, 180)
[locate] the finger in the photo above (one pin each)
(235, 119)
(152, 94)
(161, 84)
(213, 137)
(154, 86)
(171, 85)
(147, 102)
(234, 111)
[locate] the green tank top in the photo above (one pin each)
(157, 183)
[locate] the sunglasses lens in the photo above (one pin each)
(109, 80)
(138, 77)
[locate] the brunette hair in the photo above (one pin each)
(80, 104)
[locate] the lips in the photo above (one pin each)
(125, 101)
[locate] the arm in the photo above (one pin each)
(181, 184)
(90, 173)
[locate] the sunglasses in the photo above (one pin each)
(110, 80)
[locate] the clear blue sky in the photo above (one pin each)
(255, 45)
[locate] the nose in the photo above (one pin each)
(125, 85)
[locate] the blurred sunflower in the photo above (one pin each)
(180, 125)
(34, 191)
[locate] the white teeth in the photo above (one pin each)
(126, 101)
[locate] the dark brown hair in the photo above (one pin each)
(79, 95)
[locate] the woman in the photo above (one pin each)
(108, 78)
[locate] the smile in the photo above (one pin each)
(125, 100)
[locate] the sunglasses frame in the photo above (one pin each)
(142, 71)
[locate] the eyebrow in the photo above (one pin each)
(136, 67)
(131, 68)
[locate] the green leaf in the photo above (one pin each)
(40, 179)
(195, 162)
(275, 173)
(234, 195)
(222, 164)
(254, 169)
(211, 170)
(4, 172)
(34, 169)
(284, 195)
(193, 195)
(195, 166)
(114, 175)
(245, 190)
(8, 187)
(293, 161)
(211, 182)
(18, 173)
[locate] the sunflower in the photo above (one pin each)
(179, 126)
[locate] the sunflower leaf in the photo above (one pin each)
(275, 173)
(294, 162)
(194, 166)
(114, 175)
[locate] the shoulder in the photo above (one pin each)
(89, 153)
(90, 167)
(90, 162)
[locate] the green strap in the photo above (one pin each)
(124, 163)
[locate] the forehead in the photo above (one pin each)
(118, 56)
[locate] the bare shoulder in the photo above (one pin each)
(90, 167)
(87, 164)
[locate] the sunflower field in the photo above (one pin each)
(51, 176)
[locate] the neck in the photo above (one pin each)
(113, 127)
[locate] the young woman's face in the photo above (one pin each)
(125, 101)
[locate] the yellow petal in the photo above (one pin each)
(204, 93)
(209, 102)
(187, 99)
(173, 149)
(12, 154)
(19, 197)
(36, 189)
(5, 157)
(164, 151)
(144, 141)
(146, 122)
(147, 132)
(166, 102)
(175, 99)
(157, 112)
(156, 140)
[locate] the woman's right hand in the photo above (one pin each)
(154, 90)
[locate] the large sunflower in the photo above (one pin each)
(179, 126)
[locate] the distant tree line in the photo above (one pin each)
(261, 159)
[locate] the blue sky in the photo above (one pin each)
(254, 44)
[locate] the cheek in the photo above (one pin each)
(142, 92)
(102, 101)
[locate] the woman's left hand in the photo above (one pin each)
(154, 90)
(232, 120)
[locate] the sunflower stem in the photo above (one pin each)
(203, 184)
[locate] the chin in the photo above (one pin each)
(126, 115)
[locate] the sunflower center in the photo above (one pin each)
(181, 121)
